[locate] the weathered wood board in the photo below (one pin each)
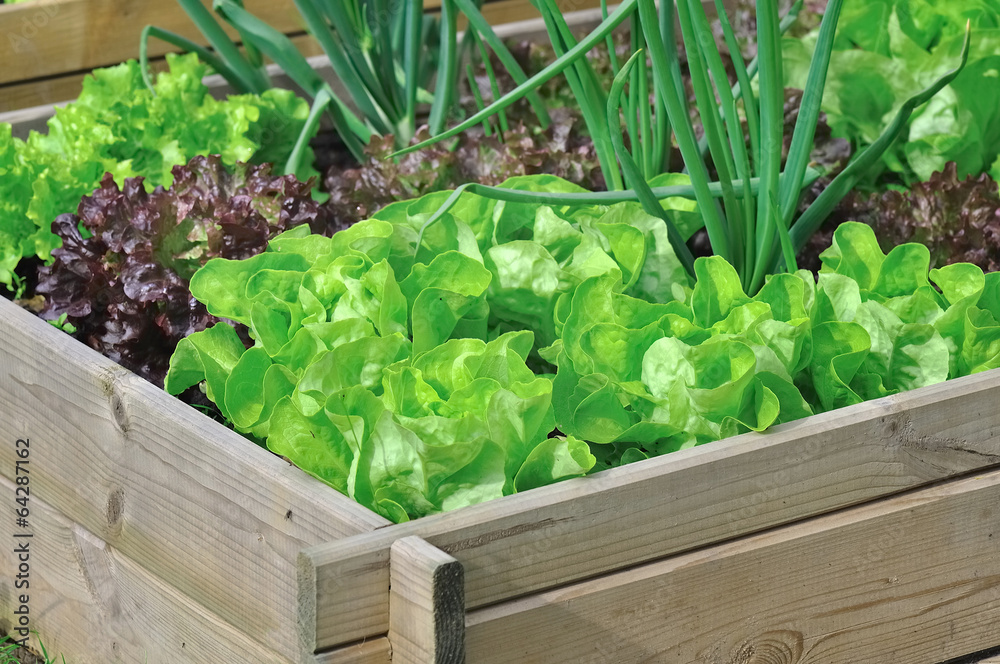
(94, 605)
(915, 579)
(582, 528)
(373, 651)
(147, 482)
(426, 604)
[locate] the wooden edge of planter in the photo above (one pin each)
(914, 578)
(635, 514)
(426, 604)
(79, 587)
(44, 38)
(35, 101)
(194, 504)
(50, 45)
(373, 651)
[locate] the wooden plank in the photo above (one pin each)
(635, 514)
(50, 66)
(92, 604)
(195, 504)
(912, 579)
(375, 651)
(62, 88)
(426, 604)
(46, 37)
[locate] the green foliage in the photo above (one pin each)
(118, 126)
(886, 50)
(750, 225)
(561, 150)
(418, 368)
(958, 220)
(12, 653)
(385, 55)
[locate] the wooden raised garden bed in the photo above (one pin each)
(865, 534)
(869, 534)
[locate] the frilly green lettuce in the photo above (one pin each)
(117, 126)
(520, 345)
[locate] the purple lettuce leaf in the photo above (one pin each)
(121, 275)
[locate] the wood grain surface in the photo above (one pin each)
(208, 513)
(627, 516)
(914, 579)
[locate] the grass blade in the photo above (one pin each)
(280, 49)
(379, 19)
(786, 23)
(787, 250)
(207, 56)
(812, 99)
(348, 26)
(485, 31)
(447, 73)
(772, 102)
(633, 175)
(631, 107)
(342, 66)
(487, 129)
(649, 167)
(668, 36)
(273, 43)
(609, 40)
(254, 78)
(743, 82)
(719, 140)
(554, 69)
(252, 54)
(294, 163)
(664, 146)
(592, 101)
(666, 69)
(494, 86)
(590, 198)
(413, 23)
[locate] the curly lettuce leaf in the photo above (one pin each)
(118, 126)
(523, 345)
(888, 50)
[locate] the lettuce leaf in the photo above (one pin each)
(521, 345)
(886, 51)
(117, 126)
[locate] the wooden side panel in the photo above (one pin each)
(50, 45)
(912, 579)
(46, 37)
(63, 87)
(582, 528)
(198, 506)
(93, 605)
(375, 651)
(426, 604)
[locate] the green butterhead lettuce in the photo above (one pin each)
(512, 346)
(887, 50)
